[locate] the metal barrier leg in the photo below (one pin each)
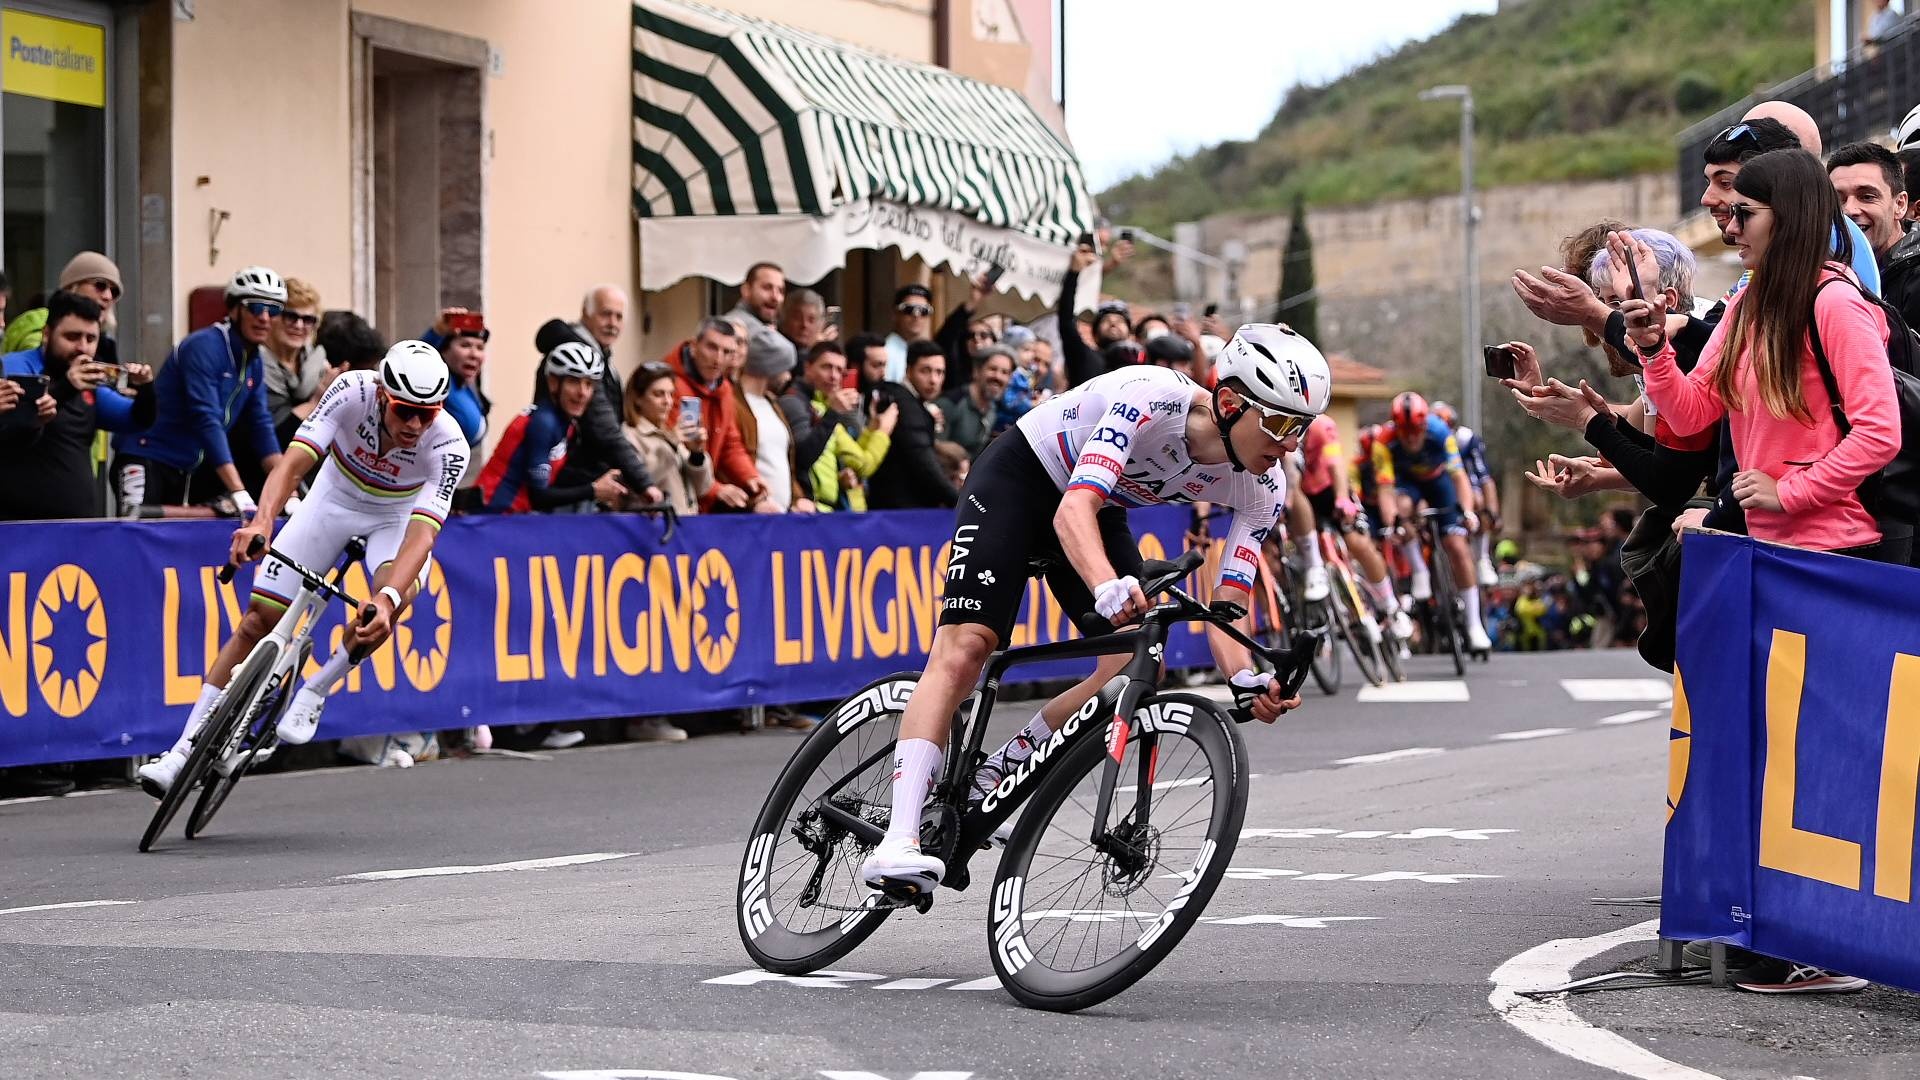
(1719, 967)
(1668, 960)
(756, 718)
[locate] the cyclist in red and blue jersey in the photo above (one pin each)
(519, 475)
(1417, 462)
(1486, 493)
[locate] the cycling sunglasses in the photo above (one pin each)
(261, 307)
(403, 412)
(1278, 423)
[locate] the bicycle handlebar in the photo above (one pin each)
(1290, 665)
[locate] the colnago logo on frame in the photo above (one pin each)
(1041, 753)
(1009, 936)
(754, 909)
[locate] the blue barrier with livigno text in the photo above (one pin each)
(107, 626)
(1794, 758)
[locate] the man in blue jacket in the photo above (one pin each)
(214, 382)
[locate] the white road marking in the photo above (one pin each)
(1264, 873)
(1532, 733)
(1618, 689)
(66, 906)
(1390, 755)
(1432, 691)
(489, 868)
(1632, 717)
(1555, 1026)
(912, 984)
(1297, 922)
(1370, 834)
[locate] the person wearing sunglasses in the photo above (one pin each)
(213, 384)
(912, 322)
(89, 274)
(1058, 487)
(1416, 462)
(295, 365)
(389, 458)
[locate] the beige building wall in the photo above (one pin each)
(263, 129)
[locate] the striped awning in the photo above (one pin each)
(737, 116)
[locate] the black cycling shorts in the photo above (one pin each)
(1003, 524)
(1326, 514)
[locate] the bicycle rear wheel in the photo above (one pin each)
(801, 903)
(1326, 661)
(1070, 926)
(216, 732)
(1353, 623)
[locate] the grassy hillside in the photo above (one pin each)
(1564, 90)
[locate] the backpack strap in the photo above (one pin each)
(1820, 357)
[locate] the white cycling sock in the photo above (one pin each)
(1382, 593)
(915, 761)
(1481, 542)
(336, 666)
(1411, 550)
(1021, 746)
(1310, 552)
(1472, 597)
(203, 704)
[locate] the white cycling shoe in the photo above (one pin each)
(1402, 627)
(302, 719)
(157, 776)
(1477, 640)
(1423, 586)
(898, 863)
(1489, 577)
(1318, 586)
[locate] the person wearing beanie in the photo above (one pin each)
(763, 427)
(89, 274)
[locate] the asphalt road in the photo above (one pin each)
(1396, 854)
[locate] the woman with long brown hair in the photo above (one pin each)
(1800, 475)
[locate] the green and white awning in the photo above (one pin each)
(819, 147)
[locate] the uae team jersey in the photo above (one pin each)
(343, 432)
(1123, 435)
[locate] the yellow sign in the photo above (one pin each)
(56, 59)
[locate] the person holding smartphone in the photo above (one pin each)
(46, 455)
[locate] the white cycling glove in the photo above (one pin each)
(1111, 596)
(1471, 521)
(1248, 685)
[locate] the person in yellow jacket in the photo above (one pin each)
(839, 473)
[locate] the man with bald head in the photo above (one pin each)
(1796, 120)
(599, 444)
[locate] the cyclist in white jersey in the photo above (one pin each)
(1057, 488)
(390, 459)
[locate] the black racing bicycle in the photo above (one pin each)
(1445, 614)
(240, 728)
(1132, 812)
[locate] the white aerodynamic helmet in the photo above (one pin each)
(1278, 368)
(576, 360)
(257, 283)
(414, 372)
(1907, 135)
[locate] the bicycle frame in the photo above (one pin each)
(967, 831)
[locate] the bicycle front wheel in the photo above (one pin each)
(801, 903)
(253, 737)
(1071, 925)
(1326, 662)
(1449, 608)
(216, 732)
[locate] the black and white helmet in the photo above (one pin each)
(1907, 135)
(414, 372)
(257, 283)
(575, 360)
(1279, 368)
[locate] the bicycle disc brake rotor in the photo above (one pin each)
(1132, 851)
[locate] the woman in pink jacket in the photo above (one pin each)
(1799, 475)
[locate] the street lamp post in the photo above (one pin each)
(1470, 288)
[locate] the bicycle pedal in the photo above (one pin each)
(896, 896)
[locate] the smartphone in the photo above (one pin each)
(1127, 235)
(467, 322)
(851, 380)
(32, 387)
(1633, 271)
(877, 400)
(1183, 310)
(833, 315)
(1211, 310)
(994, 270)
(689, 412)
(1086, 240)
(1500, 361)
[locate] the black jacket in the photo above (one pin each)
(910, 476)
(598, 442)
(1900, 278)
(1083, 362)
(1661, 472)
(46, 473)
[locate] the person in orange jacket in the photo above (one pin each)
(699, 366)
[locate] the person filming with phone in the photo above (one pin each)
(53, 399)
